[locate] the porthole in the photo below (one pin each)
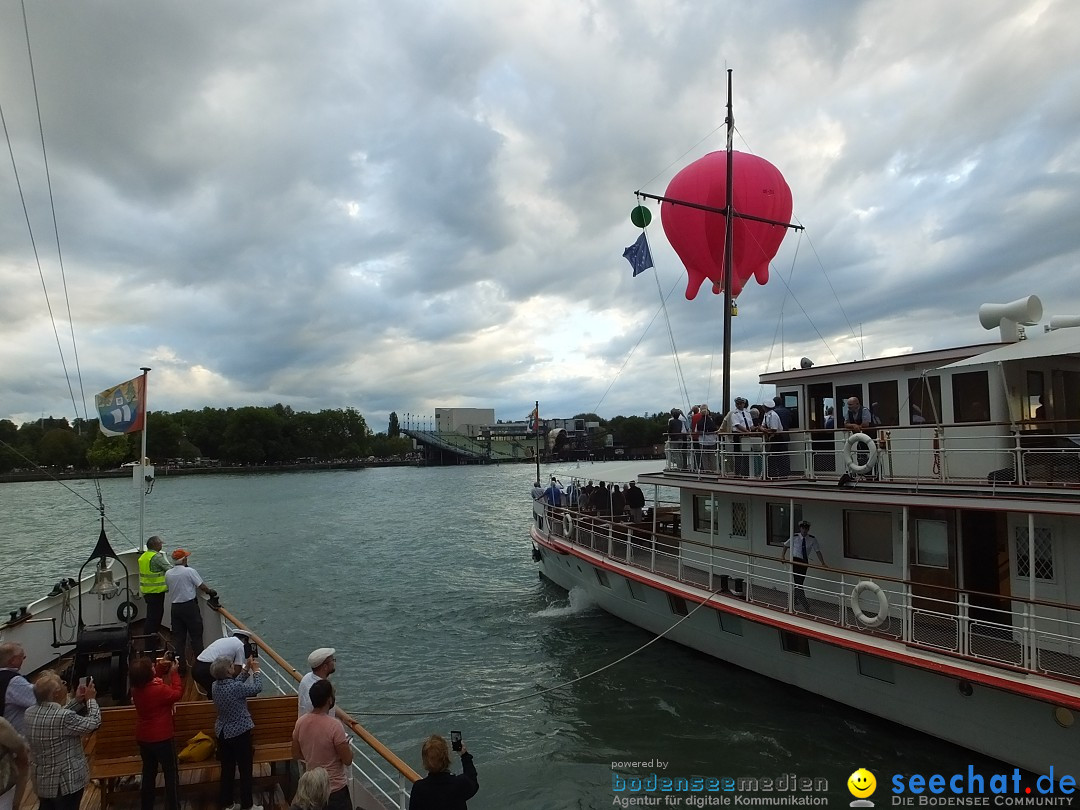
(1063, 717)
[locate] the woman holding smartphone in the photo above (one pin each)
(440, 789)
(154, 690)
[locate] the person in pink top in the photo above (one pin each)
(320, 741)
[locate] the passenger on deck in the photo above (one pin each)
(553, 494)
(618, 502)
(152, 567)
(799, 546)
(856, 417)
(234, 725)
(773, 428)
(677, 438)
(709, 441)
(635, 502)
(54, 729)
(184, 585)
(741, 424)
(237, 647)
(319, 740)
(154, 690)
(440, 789)
(537, 491)
(14, 764)
(830, 419)
(312, 790)
(601, 499)
(323, 664)
(16, 693)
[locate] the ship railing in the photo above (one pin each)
(1033, 635)
(378, 779)
(1001, 454)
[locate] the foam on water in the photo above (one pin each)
(579, 602)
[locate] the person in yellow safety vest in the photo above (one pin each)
(152, 567)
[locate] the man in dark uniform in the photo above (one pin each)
(800, 545)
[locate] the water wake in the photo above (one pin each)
(579, 603)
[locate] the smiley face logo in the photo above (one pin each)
(861, 783)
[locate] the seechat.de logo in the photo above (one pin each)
(862, 785)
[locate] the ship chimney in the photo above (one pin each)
(1008, 317)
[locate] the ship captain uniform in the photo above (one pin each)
(799, 546)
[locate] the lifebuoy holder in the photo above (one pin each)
(568, 527)
(127, 611)
(866, 586)
(851, 458)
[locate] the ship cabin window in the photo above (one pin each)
(677, 605)
(602, 577)
(637, 590)
(879, 669)
(1034, 405)
(779, 520)
(868, 536)
(884, 402)
(971, 397)
(932, 543)
(739, 519)
(790, 400)
(705, 514)
(794, 643)
(730, 623)
(1044, 553)
(924, 400)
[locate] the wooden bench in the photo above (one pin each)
(114, 753)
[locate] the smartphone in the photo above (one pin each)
(82, 682)
(455, 740)
(254, 651)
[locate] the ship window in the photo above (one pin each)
(779, 520)
(794, 643)
(637, 590)
(601, 577)
(1044, 553)
(932, 543)
(1034, 407)
(877, 668)
(705, 513)
(883, 403)
(738, 519)
(868, 536)
(730, 623)
(924, 400)
(971, 397)
(678, 605)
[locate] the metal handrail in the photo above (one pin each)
(369, 739)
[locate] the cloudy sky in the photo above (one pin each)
(410, 205)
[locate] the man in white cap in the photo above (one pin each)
(322, 666)
(184, 584)
(238, 647)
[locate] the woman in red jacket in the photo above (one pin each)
(154, 690)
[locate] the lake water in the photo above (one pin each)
(422, 580)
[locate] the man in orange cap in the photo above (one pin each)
(184, 585)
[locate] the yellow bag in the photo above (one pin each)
(198, 748)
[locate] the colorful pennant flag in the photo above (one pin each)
(122, 408)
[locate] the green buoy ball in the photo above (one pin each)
(641, 216)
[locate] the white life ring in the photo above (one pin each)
(866, 586)
(851, 458)
(568, 527)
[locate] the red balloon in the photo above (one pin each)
(698, 236)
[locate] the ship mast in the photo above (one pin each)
(728, 220)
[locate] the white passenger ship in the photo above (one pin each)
(950, 602)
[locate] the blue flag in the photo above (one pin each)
(639, 255)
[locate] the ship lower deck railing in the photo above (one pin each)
(378, 780)
(1001, 455)
(1030, 635)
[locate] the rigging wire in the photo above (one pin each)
(56, 226)
(542, 692)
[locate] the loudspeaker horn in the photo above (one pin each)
(1008, 316)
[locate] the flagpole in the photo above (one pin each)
(142, 466)
(536, 423)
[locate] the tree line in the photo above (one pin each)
(233, 436)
